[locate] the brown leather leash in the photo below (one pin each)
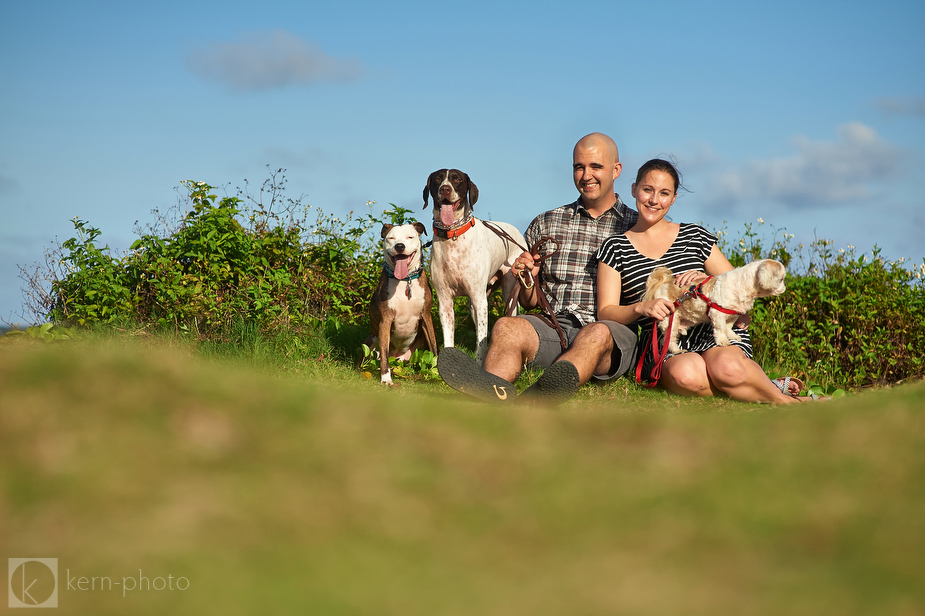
(548, 316)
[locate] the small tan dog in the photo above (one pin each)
(735, 290)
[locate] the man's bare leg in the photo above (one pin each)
(514, 342)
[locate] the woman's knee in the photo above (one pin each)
(686, 377)
(728, 369)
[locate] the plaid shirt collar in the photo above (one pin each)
(569, 279)
(618, 209)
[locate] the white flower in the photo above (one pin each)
(760, 221)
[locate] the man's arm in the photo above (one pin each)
(527, 266)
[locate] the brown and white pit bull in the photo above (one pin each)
(403, 299)
(468, 258)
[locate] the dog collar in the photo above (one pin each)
(411, 275)
(454, 230)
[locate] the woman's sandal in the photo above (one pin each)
(792, 386)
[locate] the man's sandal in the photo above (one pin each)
(558, 383)
(464, 374)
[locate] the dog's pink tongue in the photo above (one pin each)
(447, 214)
(401, 267)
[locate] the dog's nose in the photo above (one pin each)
(446, 189)
(399, 248)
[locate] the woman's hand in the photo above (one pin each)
(657, 308)
(689, 278)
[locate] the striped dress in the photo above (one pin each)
(688, 252)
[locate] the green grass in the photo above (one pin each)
(298, 487)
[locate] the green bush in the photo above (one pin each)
(224, 261)
(845, 320)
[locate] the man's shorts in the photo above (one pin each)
(624, 340)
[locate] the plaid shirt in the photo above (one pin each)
(569, 278)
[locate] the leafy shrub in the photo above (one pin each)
(47, 332)
(217, 262)
(847, 320)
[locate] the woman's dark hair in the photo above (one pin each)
(659, 164)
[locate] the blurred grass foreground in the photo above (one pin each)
(269, 494)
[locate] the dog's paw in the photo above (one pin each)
(736, 337)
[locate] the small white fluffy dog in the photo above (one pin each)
(735, 290)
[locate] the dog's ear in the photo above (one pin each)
(769, 275)
(473, 191)
(427, 189)
(385, 229)
(420, 228)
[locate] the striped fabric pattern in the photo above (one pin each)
(688, 252)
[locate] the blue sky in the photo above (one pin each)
(809, 115)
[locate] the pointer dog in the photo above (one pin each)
(468, 258)
(403, 299)
(735, 290)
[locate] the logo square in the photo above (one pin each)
(33, 582)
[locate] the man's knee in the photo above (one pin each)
(510, 328)
(594, 336)
(514, 334)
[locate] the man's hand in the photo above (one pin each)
(527, 263)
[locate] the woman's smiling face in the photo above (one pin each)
(654, 195)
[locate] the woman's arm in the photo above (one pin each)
(716, 263)
(608, 300)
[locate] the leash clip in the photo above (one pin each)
(523, 275)
(691, 291)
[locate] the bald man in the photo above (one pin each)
(602, 350)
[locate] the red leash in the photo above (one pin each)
(693, 291)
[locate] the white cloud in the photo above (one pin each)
(820, 173)
(267, 60)
(914, 107)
